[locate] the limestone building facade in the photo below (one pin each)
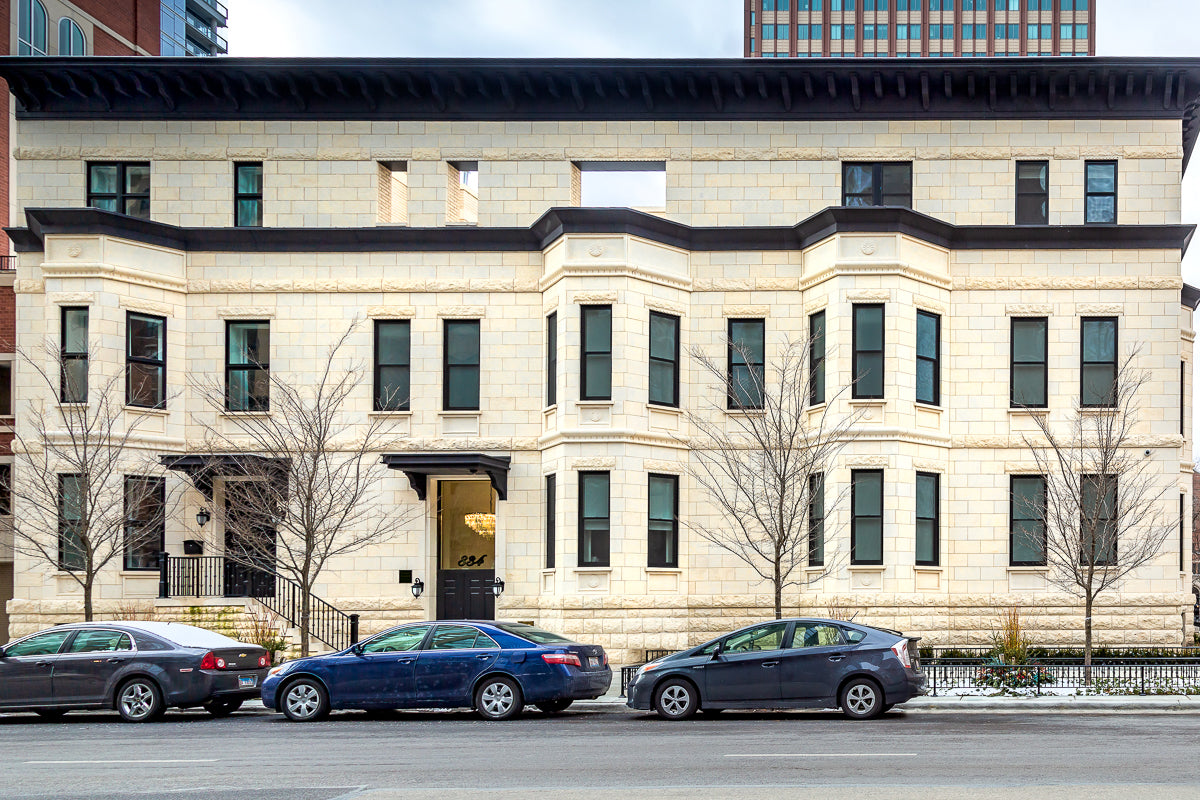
(919, 214)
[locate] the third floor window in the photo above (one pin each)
(877, 184)
(120, 187)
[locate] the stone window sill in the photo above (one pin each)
(149, 412)
(1028, 570)
(389, 414)
(593, 570)
(928, 568)
(461, 414)
(664, 570)
(869, 402)
(245, 414)
(867, 568)
(595, 403)
(1028, 412)
(675, 410)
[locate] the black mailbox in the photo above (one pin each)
(193, 547)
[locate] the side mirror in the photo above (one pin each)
(356, 649)
(717, 652)
(1, 652)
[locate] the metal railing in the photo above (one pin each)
(979, 655)
(8, 263)
(326, 623)
(627, 673)
(1132, 677)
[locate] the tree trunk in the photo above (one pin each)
(305, 620)
(87, 601)
(778, 592)
(1087, 641)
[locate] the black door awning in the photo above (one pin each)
(201, 468)
(419, 466)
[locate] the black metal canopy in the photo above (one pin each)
(417, 467)
(201, 469)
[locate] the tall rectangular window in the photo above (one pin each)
(393, 348)
(1098, 362)
(73, 383)
(595, 379)
(1100, 193)
(1027, 521)
(145, 521)
(6, 488)
(593, 519)
(120, 187)
(866, 516)
(6, 387)
(551, 519)
(71, 500)
(1098, 520)
(1033, 192)
(145, 361)
(887, 183)
(816, 520)
(248, 365)
(552, 358)
(929, 346)
(927, 544)
(460, 365)
(664, 359)
(816, 358)
(663, 543)
(1182, 534)
(868, 351)
(1182, 397)
(248, 195)
(747, 362)
(1027, 362)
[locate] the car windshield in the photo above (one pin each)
(535, 635)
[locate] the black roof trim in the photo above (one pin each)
(201, 469)
(561, 221)
(1190, 296)
(417, 467)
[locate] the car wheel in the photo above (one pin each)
(222, 708)
(51, 713)
(554, 706)
(305, 700)
(498, 698)
(862, 699)
(676, 699)
(140, 700)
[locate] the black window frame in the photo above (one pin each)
(65, 562)
(857, 393)
(552, 359)
(586, 355)
(1183, 399)
(67, 356)
(379, 402)
(816, 358)
(7, 370)
(1012, 362)
(159, 364)
(1088, 193)
(673, 533)
(240, 196)
(1182, 534)
(551, 488)
(816, 519)
(735, 350)
(936, 519)
(935, 360)
(447, 367)
(877, 195)
(673, 362)
(1113, 363)
(582, 520)
(158, 485)
(255, 406)
(122, 195)
(1044, 194)
(1013, 519)
(856, 476)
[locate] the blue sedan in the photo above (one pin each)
(495, 668)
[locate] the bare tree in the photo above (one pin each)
(85, 496)
(302, 482)
(761, 452)
(1106, 506)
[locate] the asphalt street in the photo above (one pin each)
(603, 753)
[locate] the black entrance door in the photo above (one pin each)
(466, 594)
(466, 550)
(249, 542)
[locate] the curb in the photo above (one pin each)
(1010, 704)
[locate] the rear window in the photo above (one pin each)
(854, 636)
(535, 635)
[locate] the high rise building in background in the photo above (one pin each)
(189, 28)
(919, 28)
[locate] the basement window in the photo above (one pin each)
(623, 184)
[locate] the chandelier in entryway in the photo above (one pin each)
(483, 524)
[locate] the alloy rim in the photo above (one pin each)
(675, 700)
(860, 698)
(497, 699)
(303, 701)
(137, 701)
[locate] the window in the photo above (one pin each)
(747, 356)
(868, 351)
(1033, 192)
(100, 642)
(1027, 521)
(768, 32)
(73, 385)
(866, 521)
(71, 41)
(816, 358)
(248, 195)
(247, 366)
(1100, 196)
(6, 490)
(6, 377)
(145, 521)
(596, 353)
(31, 28)
(663, 544)
(400, 641)
(631, 184)
(835, 32)
(44, 644)
(1027, 368)
(764, 637)
(929, 378)
(812, 634)
(460, 368)
(1098, 362)
(868, 33)
(801, 32)
(816, 520)
(71, 501)
(460, 637)
(664, 359)
(393, 360)
(551, 522)
(1182, 397)
(593, 519)
(927, 519)
(1098, 519)
(121, 188)
(552, 359)
(878, 184)
(1182, 534)
(145, 361)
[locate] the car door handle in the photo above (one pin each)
(405, 660)
(116, 661)
(41, 663)
(484, 657)
(837, 657)
(769, 664)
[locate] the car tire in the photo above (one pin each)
(51, 713)
(862, 699)
(554, 706)
(305, 700)
(498, 698)
(676, 699)
(222, 708)
(140, 700)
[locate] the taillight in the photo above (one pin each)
(901, 650)
(606, 659)
(264, 660)
(209, 661)
(562, 658)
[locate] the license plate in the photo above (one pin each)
(593, 662)
(247, 681)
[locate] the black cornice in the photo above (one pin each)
(1190, 296)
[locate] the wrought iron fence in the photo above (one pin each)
(949, 653)
(1132, 677)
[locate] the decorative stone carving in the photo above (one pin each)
(867, 462)
(74, 251)
(665, 306)
(869, 296)
(596, 250)
(594, 463)
(1028, 310)
(868, 248)
(1111, 309)
(391, 312)
(670, 467)
(71, 298)
(245, 312)
(462, 312)
(594, 297)
(148, 306)
(751, 312)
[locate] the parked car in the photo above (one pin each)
(790, 663)
(138, 668)
(495, 668)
